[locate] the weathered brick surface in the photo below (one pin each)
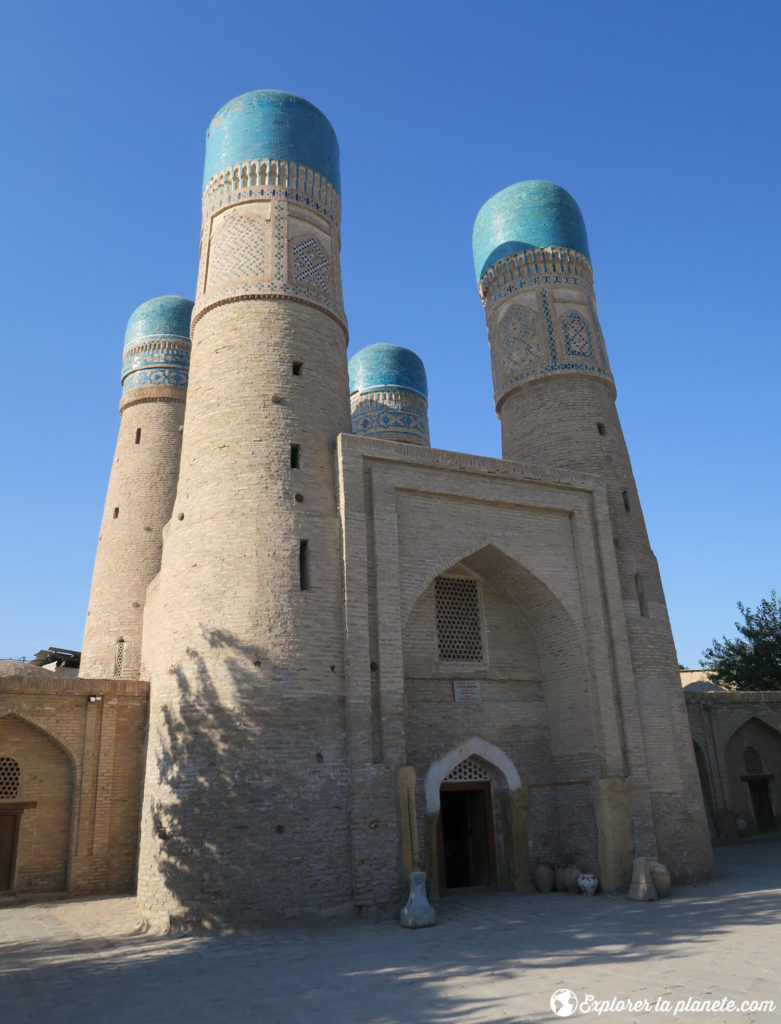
(139, 500)
(81, 765)
(723, 725)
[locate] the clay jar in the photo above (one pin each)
(570, 878)
(544, 876)
(660, 876)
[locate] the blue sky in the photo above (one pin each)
(661, 119)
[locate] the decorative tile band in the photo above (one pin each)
(266, 178)
(532, 267)
(396, 412)
(163, 360)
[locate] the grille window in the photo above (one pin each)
(119, 657)
(458, 619)
(468, 771)
(753, 762)
(10, 774)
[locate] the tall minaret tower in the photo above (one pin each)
(555, 398)
(245, 811)
(141, 487)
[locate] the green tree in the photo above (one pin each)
(751, 660)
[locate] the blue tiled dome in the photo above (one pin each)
(157, 343)
(387, 366)
(528, 215)
(277, 125)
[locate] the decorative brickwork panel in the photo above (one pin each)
(468, 771)
(237, 251)
(519, 347)
(577, 336)
(459, 636)
(309, 264)
(10, 775)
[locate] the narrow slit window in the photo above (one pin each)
(625, 497)
(303, 564)
(119, 657)
(640, 588)
(601, 428)
(138, 435)
(295, 456)
(116, 512)
(297, 368)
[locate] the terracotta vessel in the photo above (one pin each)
(544, 876)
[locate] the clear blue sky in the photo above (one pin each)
(661, 119)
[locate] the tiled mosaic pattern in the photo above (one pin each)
(269, 121)
(577, 336)
(572, 338)
(237, 251)
(393, 413)
(157, 344)
(310, 264)
(167, 316)
(528, 215)
(387, 366)
(306, 275)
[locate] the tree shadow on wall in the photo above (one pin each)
(228, 827)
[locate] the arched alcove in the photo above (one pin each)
(42, 808)
(523, 690)
(753, 759)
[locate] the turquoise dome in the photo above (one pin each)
(277, 125)
(528, 215)
(382, 366)
(157, 343)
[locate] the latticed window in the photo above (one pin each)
(468, 771)
(10, 774)
(753, 762)
(119, 657)
(459, 637)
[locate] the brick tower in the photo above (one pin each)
(244, 649)
(389, 394)
(141, 487)
(555, 398)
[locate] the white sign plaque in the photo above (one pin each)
(466, 689)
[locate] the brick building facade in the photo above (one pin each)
(366, 655)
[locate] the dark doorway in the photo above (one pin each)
(761, 804)
(467, 836)
(9, 829)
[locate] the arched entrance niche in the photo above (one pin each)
(702, 771)
(519, 682)
(35, 818)
(753, 757)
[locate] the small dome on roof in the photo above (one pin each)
(387, 366)
(157, 343)
(527, 215)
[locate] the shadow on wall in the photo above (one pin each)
(248, 820)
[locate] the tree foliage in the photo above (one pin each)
(751, 660)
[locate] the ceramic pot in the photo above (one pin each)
(587, 883)
(544, 876)
(660, 876)
(570, 875)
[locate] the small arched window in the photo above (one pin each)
(10, 776)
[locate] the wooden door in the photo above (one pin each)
(9, 830)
